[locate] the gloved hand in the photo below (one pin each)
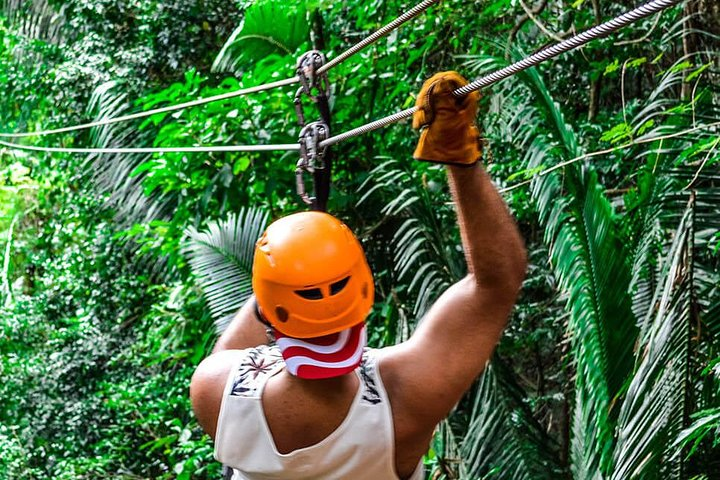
(451, 135)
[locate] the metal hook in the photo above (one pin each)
(310, 81)
(300, 171)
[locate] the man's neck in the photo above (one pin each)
(324, 385)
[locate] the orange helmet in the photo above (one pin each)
(310, 276)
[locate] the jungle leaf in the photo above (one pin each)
(221, 259)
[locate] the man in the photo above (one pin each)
(314, 407)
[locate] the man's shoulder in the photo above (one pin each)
(229, 372)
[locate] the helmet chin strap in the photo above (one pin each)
(258, 314)
(269, 329)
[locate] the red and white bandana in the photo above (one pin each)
(323, 357)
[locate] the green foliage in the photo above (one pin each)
(221, 260)
(102, 322)
(427, 260)
(705, 426)
(658, 391)
(522, 450)
(93, 366)
(268, 29)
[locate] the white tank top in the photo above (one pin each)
(361, 448)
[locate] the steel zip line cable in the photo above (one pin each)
(374, 37)
(541, 56)
(128, 150)
(409, 15)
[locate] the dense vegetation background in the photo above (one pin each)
(610, 367)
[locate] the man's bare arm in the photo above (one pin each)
(494, 250)
(207, 386)
(208, 381)
(452, 344)
(428, 374)
(245, 330)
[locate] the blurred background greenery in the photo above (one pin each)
(610, 366)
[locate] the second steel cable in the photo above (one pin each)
(132, 150)
(545, 54)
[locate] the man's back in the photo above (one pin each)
(423, 377)
(342, 429)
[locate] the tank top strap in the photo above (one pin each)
(373, 391)
(374, 394)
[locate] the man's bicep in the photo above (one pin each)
(452, 344)
(460, 332)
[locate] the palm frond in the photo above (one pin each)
(37, 19)
(706, 425)
(652, 413)
(221, 259)
(662, 190)
(446, 462)
(425, 256)
(504, 441)
(659, 202)
(113, 175)
(650, 188)
(589, 261)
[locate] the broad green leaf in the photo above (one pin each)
(269, 27)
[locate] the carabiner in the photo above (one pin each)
(299, 107)
(311, 151)
(311, 155)
(306, 69)
(300, 170)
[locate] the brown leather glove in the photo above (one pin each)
(451, 135)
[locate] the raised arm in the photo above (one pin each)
(208, 381)
(245, 330)
(429, 373)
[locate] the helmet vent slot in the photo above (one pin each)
(310, 294)
(282, 314)
(338, 286)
